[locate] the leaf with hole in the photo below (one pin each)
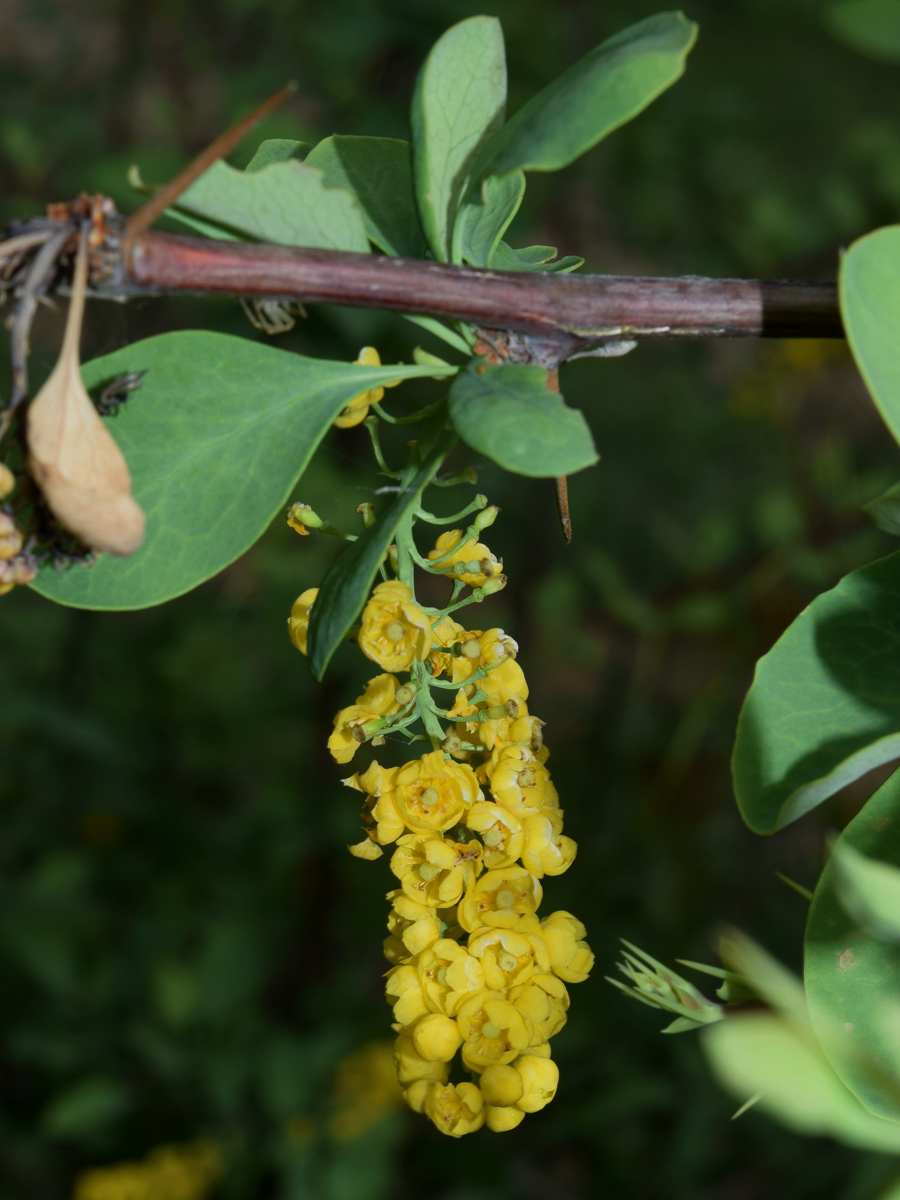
(603, 90)
(508, 413)
(458, 105)
(215, 439)
(284, 202)
(378, 171)
(824, 707)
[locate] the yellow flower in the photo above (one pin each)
(455, 1109)
(571, 958)
(298, 621)
(434, 871)
(503, 899)
(509, 958)
(544, 999)
(445, 632)
(366, 849)
(378, 700)
(540, 1079)
(395, 632)
(404, 985)
(501, 1085)
(493, 1030)
(547, 850)
(481, 564)
(485, 650)
(433, 794)
(501, 1120)
(447, 974)
(413, 927)
(365, 1090)
(176, 1172)
(411, 1066)
(376, 783)
(436, 1037)
(358, 408)
(519, 781)
(500, 831)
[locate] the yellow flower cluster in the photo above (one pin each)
(174, 1172)
(476, 825)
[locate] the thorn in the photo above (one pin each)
(223, 145)
(797, 887)
(753, 1099)
(562, 506)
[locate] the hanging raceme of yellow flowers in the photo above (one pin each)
(478, 978)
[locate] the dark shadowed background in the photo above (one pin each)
(186, 949)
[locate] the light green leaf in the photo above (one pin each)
(509, 414)
(824, 707)
(871, 26)
(285, 202)
(275, 150)
(884, 510)
(216, 439)
(783, 1063)
(870, 305)
(378, 172)
(599, 93)
(533, 258)
(349, 580)
(851, 974)
(485, 217)
(458, 104)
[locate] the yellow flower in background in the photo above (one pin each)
(435, 871)
(469, 561)
(504, 899)
(358, 408)
(456, 1109)
(395, 632)
(298, 621)
(433, 793)
(173, 1172)
(571, 958)
(378, 700)
(365, 1090)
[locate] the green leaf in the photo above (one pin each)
(458, 104)
(216, 439)
(602, 91)
(871, 26)
(285, 202)
(781, 1062)
(824, 707)
(84, 1108)
(484, 219)
(509, 414)
(378, 171)
(884, 510)
(349, 579)
(851, 973)
(275, 150)
(533, 258)
(870, 305)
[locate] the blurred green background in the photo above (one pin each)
(187, 952)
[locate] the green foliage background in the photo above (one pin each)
(186, 949)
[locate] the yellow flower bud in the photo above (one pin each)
(501, 1085)
(436, 1037)
(540, 1079)
(571, 958)
(411, 1066)
(298, 621)
(395, 632)
(501, 1120)
(416, 1095)
(7, 481)
(455, 1109)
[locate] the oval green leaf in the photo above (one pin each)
(458, 104)
(602, 91)
(850, 973)
(508, 413)
(870, 306)
(824, 707)
(216, 439)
